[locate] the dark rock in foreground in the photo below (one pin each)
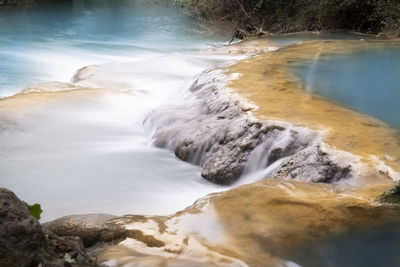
(22, 240)
(62, 242)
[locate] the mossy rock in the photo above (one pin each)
(391, 196)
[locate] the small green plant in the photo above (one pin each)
(68, 258)
(35, 210)
(392, 195)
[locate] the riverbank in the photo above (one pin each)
(252, 18)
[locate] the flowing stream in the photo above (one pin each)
(51, 42)
(80, 80)
(89, 152)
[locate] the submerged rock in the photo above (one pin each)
(22, 240)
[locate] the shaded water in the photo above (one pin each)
(361, 246)
(366, 80)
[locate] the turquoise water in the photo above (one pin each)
(361, 246)
(367, 80)
(51, 42)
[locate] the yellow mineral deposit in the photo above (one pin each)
(267, 82)
(258, 224)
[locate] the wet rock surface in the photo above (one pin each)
(312, 165)
(22, 240)
(217, 131)
(97, 228)
(90, 228)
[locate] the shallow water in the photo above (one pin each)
(293, 38)
(366, 80)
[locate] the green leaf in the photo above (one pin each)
(35, 210)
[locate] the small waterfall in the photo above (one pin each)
(268, 152)
(275, 147)
(261, 173)
(274, 151)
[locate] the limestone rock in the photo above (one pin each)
(22, 241)
(219, 134)
(312, 165)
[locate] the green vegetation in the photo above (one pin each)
(251, 17)
(35, 210)
(391, 196)
(25, 3)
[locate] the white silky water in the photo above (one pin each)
(86, 150)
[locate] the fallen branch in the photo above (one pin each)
(72, 245)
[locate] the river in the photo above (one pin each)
(88, 89)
